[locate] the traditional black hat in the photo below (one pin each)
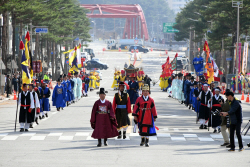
(58, 80)
(102, 91)
(64, 75)
(24, 84)
(76, 73)
(180, 75)
(192, 77)
(189, 74)
(60, 76)
(121, 84)
(195, 83)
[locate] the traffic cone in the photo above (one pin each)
(247, 100)
(14, 95)
(242, 96)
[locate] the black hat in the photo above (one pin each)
(58, 80)
(227, 90)
(76, 73)
(64, 75)
(121, 84)
(102, 91)
(195, 83)
(24, 84)
(229, 93)
(189, 74)
(60, 76)
(192, 77)
(180, 75)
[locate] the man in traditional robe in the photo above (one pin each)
(26, 102)
(133, 89)
(215, 120)
(72, 89)
(92, 82)
(187, 89)
(35, 111)
(58, 96)
(64, 84)
(45, 107)
(145, 114)
(122, 107)
(86, 86)
(79, 87)
(180, 94)
(190, 87)
(75, 87)
(103, 120)
(69, 90)
(122, 77)
(205, 98)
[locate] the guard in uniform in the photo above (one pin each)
(69, 90)
(64, 84)
(122, 107)
(26, 102)
(92, 81)
(58, 96)
(45, 107)
(35, 111)
(133, 89)
(215, 120)
(86, 86)
(140, 80)
(145, 114)
(122, 77)
(205, 98)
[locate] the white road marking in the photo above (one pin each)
(28, 134)
(178, 139)
(81, 134)
(205, 139)
(176, 129)
(216, 136)
(10, 138)
(55, 134)
(66, 138)
(190, 135)
(152, 138)
(37, 137)
(134, 134)
(3, 134)
(163, 135)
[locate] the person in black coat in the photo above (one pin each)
(235, 114)
(15, 83)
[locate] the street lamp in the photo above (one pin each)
(94, 29)
(238, 4)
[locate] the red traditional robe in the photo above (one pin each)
(103, 120)
(145, 112)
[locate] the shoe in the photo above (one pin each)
(120, 135)
(99, 143)
(215, 131)
(31, 126)
(26, 130)
(67, 103)
(124, 135)
(58, 109)
(225, 144)
(43, 117)
(241, 149)
(205, 127)
(36, 120)
(40, 117)
(62, 108)
(147, 144)
(192, 108)
(22, 130)
(189, 107)
(231, 149)
(201, 127)
(219, 130)
(228, 146)
(105, 142)
(181, 102)
(46, 114)
(142, 141)
(248, 145)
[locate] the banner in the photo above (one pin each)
(239, 58)
(174, 63)
(198, 65)
(244, 58)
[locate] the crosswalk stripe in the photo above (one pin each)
(190, 135)
(10, 138)
(28, 134)
(55, 134)
(81, 134)
(66, 138)
(38, 138)
(178, 138)
(205, 139)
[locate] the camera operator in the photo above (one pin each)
(235, 114)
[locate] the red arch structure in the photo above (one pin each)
(135, 19)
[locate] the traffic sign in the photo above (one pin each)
(168, 28)
(42, 30)
(229, 59)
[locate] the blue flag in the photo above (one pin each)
(198, 65)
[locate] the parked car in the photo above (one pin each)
(96, 64)
(140, 48)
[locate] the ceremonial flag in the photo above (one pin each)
(74, 62)
(198, 65)
(78, 52)
(28, 54)
(174, 62)
(209, 65)
(244, 59)
(217, 72)
(25, 66)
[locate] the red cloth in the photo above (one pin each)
(145, 119)
(128, 105)
(104, 125)
(37, 110)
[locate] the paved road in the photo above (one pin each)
(63, 139)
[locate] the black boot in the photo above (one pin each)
(105, 142)
(40, 117)
(205, 127)
(31, 126)
(99, 143)
(189, 106)
(181, 102)
(67, 103)
(142, 141)
(124, 134)
(22, 130)
(46, 114)
(147, 144)
(36, 120)
(201, 127)
(120, 135)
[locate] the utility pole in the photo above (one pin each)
(238, 4)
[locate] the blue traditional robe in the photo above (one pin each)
(186, 91)
(64, 84)
(191, 86)
(45, 100)
(86, 87)
(133, 91)
(58, 96)
(72, 89)
(69, 91)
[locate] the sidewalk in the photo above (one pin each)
(3, 98)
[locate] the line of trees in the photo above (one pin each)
(65, 20)
(217, 20)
